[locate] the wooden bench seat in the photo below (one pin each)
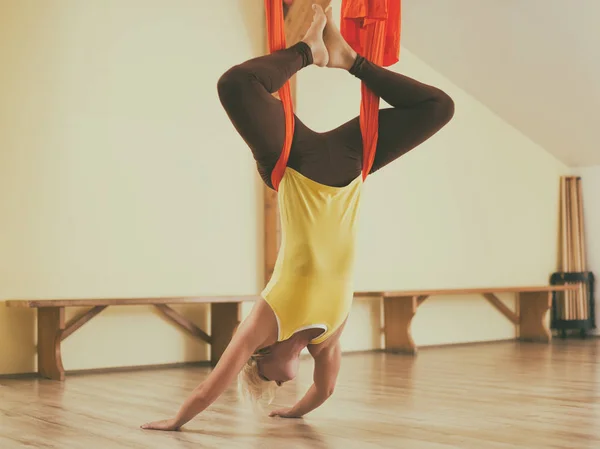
(52, 328)
(533, 305)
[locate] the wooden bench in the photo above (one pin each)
(533, 304)
(530, 317)
(53, 330)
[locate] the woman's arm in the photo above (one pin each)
(249, 336)
(327, 366)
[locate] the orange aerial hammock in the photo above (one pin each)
(372, 28)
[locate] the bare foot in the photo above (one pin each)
(314, 37)
(341, 55)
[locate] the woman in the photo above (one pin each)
(307, 301)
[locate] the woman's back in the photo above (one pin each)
(312, 283)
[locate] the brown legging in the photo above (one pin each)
(332, 158)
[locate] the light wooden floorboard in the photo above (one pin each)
(496, 396)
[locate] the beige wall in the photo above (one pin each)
(476, 205)
(108, 186)
(120, 174)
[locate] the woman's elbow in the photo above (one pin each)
(202, 394)
(327, 391)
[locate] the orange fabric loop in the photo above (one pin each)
(276, 36)
(372, 28)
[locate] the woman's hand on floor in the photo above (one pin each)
(285, 413)
(165, 424)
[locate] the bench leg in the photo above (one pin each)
(51, 322)
(224, 318)
(533, 312)
(398, 315)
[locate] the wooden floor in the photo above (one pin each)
(501, 395)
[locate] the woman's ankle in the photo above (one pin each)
(356, 64)
(350, 60)
(305, 51)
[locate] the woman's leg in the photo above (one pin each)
(418, 110)
(246, 91)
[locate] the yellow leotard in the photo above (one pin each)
(312, 284)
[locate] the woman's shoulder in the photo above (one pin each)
(262, 319)
(330, 344)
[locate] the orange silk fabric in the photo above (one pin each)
(276, 37)
(372, 28)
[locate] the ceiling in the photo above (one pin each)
(535, 63)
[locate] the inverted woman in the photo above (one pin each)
(309, 296)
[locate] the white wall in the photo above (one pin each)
(476, 205)
(120, 173)
(590, 181)
(110, 129)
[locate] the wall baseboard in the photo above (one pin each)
(466, 343)
(206, 363)
(116, 369)
(18, 376)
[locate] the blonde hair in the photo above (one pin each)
(251, 385)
